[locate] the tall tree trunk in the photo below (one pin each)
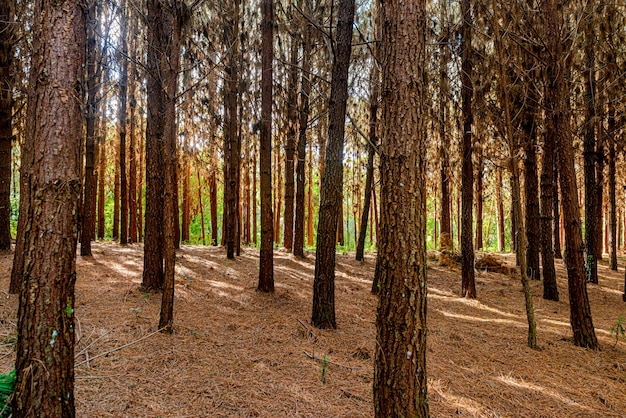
(516, 201)
(400, 380)
(599, 191)
(6, 120)
(580, 312)
(500, 209)
(371, 146)
(290, 145)
(305, 92)
(266, 263)
(529, 128)
(173, 16)
(201, 205)
(323, 315)
(556, 226)
(89, 211)
(101, 182)
(45, 343)
(613, 236)
(310, 213)
(123, 92)
(155, 142)
(115, 233)
(132, 121)
(550, 289)
(468, 286)
(213, 205)
(589, 153)
(480, 186)
(445, 240)
(232, 141)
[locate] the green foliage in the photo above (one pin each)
(7, 385)
(619, 330)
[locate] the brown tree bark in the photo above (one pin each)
(445, 240)
(580, 312)
(500, 209)
(201, 205)
(305, 92)
(132, 122)
(480, 186)
(232, 141)
(371, 152)
(323, 315)
(155, 142)
(400, 379)
(122, 120)
(213, 206)
(589, 153)
(550, 289)
(529, 129)
(45, 345)
(290, 145)
(88, 208)
(266, 263)
(101, 144)
(613, 236)
(468, 285)
(556, 226)
(6, 120)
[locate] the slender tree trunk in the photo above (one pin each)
(115, 233)
(323, 315)
(123, 84)
(529, 128)
(580, 312)
(142, 164)
(132, 122)
(45, 344)
(6, 121)
(500, 209)
(468, 286)
(589, 154)
(305, 92)
(556, 226)
(89, 211)
(155, 143)
(213, 206)
(310, 235)
(479, 195)
(201, 205)
(232, 141)
(550, 289)
(290, 145)
(445, 240)
(400, 379)
(101, 183)
(266, 263)
(613, 235)
(516, 201)
(599, 191)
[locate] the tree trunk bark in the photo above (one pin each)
(155, 143)
(290, 145)
(445, 240)
(305, 92)
(480, 186)
(580, 312)
(500, 209)
(6, 120)
(213, 206)
(89, 211)
(400, 379)
(613, 236)
(123, 84)
(529, 128)
(132, 121)
(323, 315)
(468, 286)
(266, 263)
(550, 289)
(45, 344)
(589, 154)
(556, 226)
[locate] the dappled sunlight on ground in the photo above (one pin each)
(239, 352)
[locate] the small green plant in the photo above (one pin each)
(619, 330)
(7, 385)
(324, 367)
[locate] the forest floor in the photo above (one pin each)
(238, 353)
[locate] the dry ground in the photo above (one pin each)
(238, 353)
